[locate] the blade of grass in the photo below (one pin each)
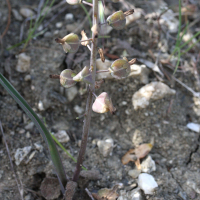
(61, 146)
(88, 16)
(42, 129)
(177, 64)
(179, 27)
(190, 47)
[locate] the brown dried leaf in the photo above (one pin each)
(50, 188)
(109, 194)
(84, 37)
(100, 50)
(142, 150)
(129, 156)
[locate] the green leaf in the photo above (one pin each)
(42, 129)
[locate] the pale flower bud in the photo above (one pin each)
(103, 104)
(66, 78)
(73, 2)
(120, 68)
(84, 75)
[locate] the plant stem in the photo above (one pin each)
(87, 118)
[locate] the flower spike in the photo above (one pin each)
(70, 43)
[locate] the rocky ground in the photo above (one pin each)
(156, 114)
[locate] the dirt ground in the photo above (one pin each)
(149, 37)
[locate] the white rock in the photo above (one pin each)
(151, 91)
(71, 93)
(78, 109)
(194, 127)
(26, 12)
(23, 64)
(27, 77)
(69, 17)
(134, 173)
(106, 147)
(147, 183)
(41, 106)
(59, 24)
(29, 126)
(21, 153)
(39, 147)
(62, 136)
(16, 15)
(148, 165)
(103, 66)
(135, 194)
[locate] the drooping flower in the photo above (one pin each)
(84, 75)
(70, 43)
(66, 78)
(103, 104)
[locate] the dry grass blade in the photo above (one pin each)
(19, 185)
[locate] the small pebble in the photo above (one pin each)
(134, 173)
(23, 64)
(16, 15)
(106, 147)
(71, 93)
(27, 77)
(48, 35)
(21, 153)
(26, 12)
(148, 165)
(147, 183)
(21, 131)
(41, 106)
(59, 24)
(39, 147)
(28, 135)
(29, 126)
(69, 17)
(62, 136)
(194, 127)
(78, 109)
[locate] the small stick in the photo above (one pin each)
(11, 164)
(88, 46)
(54, 76)
(85, 2)
(89, 193)
(9, 20)
(101, 71)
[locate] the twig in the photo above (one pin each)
(89, 193)
(11, 164)
(8, 22)
(87, 118)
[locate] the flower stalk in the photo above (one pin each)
(89, 103)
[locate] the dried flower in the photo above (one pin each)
(84, 37)
(100, 50)
(117, 20)
(66, 78)
(103, 104)
(70, 43)
(73, 2)
(120, 68)
(84, 75)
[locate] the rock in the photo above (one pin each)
(29, 126)
(106, 147)
(142, 71)
(23, 64)
(16, 15)
(21, 153)
(194, 127)
(41, 106)
(103, 66)
(135, 194)
(135, 16)
(71, 27)
(134, 173)
(147, 183)
(26, 12)
(69, 17)
(71, 93)
(50, 188)
(62, 136)
(27, 77)
(48, 35)
(28, 135)
(78, 109)
(59, 24)
(151, 91)
(39, 147)
(148, 165)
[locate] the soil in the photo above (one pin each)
(176, 149)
